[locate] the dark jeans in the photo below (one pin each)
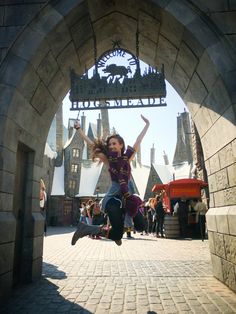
(139, 222)
(183, 226)
(116, 218)
(202, 222)
(160, 224)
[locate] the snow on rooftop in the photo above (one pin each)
(165, 172)
(49, 152)
(70, 139)
(58, 181)
(140, 175)
(90, 172)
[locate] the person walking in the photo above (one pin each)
(120, 198)
(201, 210)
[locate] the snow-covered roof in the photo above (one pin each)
(140, 175)
(49, 152)
(58, 181)
(70, 139)
(165, 172)
(90, 172)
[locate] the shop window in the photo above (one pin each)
(74, 168)
(75, 152)
(72, 184)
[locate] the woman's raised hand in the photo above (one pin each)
(77, 124)
(145, 119)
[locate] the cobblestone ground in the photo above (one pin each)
(145, 275)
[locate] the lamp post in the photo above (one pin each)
(97, 191)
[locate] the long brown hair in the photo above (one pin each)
(102, 146)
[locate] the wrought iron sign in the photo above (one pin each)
(117, 84)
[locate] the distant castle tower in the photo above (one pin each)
(152, 155)
(183, 150)
(59, 137)
(166, 160)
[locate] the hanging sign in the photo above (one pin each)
(117, 82)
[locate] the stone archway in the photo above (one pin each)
(199, 63)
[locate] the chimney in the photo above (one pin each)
(166, 160)
(139, 155)
(152, 157)
(99, 126)
(105, 118)
(83, 122)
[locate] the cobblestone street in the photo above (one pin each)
(146, 275)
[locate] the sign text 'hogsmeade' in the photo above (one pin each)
(117, 82)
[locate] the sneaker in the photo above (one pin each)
(84, 230)
(118, 242)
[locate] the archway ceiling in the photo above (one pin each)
(61, 37)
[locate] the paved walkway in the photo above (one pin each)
(145, 275)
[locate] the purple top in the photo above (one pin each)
(119, 167)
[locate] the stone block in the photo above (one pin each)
(181, 77)
(37, 268)
(219, 245)
(220, 57)
(230, 248)
(222, 220)
(225, 21)
(214, 163)
(195, 94)
(218, 100)
(6, 202)
(212, 183)
(149, 27)
(7, 227)
(167, 49)
(217, 267)
(171, 29)
(229, 274)
(7, 159)
(67, 59)
(207, 71)
(227, 156)
(147, 49)
(225, 197)
(24, 14)
(81, 31)
(211, 219)
(187, 59)
(231, 171)
(6, 182)
(211, 241)
(212, 142)
(47, 68)
(37, 247)
(6, 257)
(202, 121)
(221, 179)
(38, 224)
(232, 220)
(58, 87)
(86, 53)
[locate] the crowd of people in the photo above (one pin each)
(121, 209)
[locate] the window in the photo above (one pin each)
(74, 168)
(75, 152)
(72, 184)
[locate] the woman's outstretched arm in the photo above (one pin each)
(90, 143)
(142, 134)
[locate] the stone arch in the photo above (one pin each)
(199, 63)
